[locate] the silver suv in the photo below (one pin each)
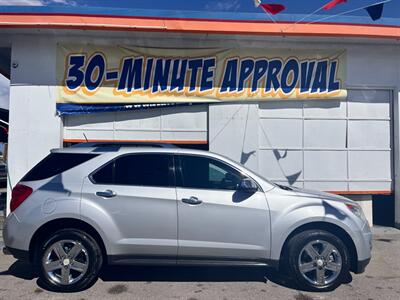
(92, 204)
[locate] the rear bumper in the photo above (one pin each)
(361, 265)
(16, 235)
(17, 253)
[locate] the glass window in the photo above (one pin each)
(205, 173)
(56, 163)
(104, 175)
(138, 170)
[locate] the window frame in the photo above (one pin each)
(171, 171)
(179, 172)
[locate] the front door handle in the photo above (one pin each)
(192, 201)
(106, 194)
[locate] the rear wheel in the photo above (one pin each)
(318, 260)
(70, 261)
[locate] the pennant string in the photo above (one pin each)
(348, 12)
(270, 16)
(304, 18)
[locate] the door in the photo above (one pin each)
(138, 192)
(215, 220)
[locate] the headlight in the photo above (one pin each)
(356, 209)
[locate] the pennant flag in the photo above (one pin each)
(333, 3)
(257, 3)
(375, 11)
(273, 9)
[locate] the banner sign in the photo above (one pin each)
(89, 74)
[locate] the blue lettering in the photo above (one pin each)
(275, 67)
(75, 73)
(292, 66)
(97, 62)
(333, 85)
(178, 74)
(260, 68)
(207, 77)
(229, 82)
(320, 79)
(131, 74)
(147, 76)
(246, 68)
(161, 74)
(194, 66)
(307, 70)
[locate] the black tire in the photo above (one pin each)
(293, 252)
(94, 264)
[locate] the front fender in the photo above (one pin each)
(284, 223)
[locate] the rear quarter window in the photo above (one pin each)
(56, 163)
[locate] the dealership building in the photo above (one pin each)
(310, 105)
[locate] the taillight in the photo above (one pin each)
(19, 193)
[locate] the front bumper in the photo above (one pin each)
(363, 243)
(361, 265)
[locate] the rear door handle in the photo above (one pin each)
(106, 194)
(192, 201)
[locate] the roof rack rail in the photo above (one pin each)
(123, 144)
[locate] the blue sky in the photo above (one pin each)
(392, 9)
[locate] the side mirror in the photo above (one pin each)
(247, 185)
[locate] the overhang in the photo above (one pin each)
(195, 22)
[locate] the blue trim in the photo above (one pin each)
(234, 16)
(67, 109)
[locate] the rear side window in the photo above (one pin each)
(56, 163)
(137, 170)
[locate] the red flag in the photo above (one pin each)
(333, 3)
(273, 9)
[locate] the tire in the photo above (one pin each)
(322, 272)
(69, 261)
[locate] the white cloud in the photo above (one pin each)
(224, 5)
(37, 2)
(62, 2)
(22, 2)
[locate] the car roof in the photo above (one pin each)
(99, 148)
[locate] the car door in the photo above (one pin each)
(137, 192)
(215, 220)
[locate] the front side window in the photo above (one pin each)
(137, 170)
(206, 173)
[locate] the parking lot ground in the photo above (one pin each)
(380, 281)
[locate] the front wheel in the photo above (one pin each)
(70, 261)
(318, 260)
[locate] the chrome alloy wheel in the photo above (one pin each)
(65, 262)
(320, 262)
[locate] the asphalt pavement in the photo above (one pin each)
(380, 281)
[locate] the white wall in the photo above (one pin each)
(179, 123)
(233, 132)
(34, 127)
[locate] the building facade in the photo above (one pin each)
(347, 145)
